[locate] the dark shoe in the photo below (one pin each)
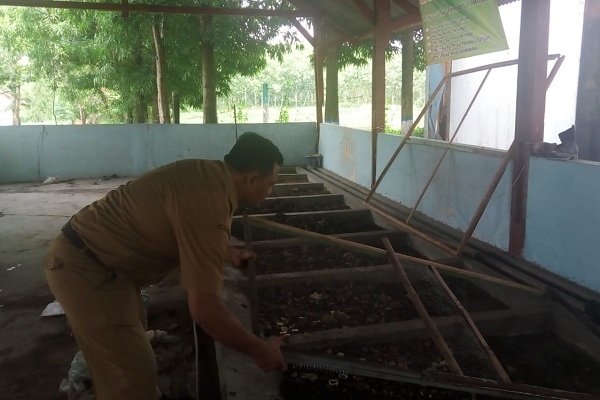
(568, 149)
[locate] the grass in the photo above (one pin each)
(358, 117)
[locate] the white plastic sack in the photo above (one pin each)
(53, 309)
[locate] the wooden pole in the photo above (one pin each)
(404, 139)
(381, 41)
(412, 230)
(500, 172)
(486, 199)
(434, 332)
(264, 223)
(447, 149)
(554, 71)
(495, 362)
(530, 110)
(319, 84)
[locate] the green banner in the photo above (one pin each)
(455, 29)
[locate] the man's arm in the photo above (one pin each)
(210, 313)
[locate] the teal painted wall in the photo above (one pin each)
(563, 219)
(32, 153)
(347, 152)
(563, 210)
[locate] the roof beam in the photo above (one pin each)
(407, 6)
(411, 21)
(126, 7)
(303, 31)
(364, 9)
(302, 4)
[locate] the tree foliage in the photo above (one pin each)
(95, 66)
(291, 83)
(103, 64)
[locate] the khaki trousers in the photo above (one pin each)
(105, 312)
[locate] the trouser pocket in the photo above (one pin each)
(62, 254)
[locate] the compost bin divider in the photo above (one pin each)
(435, 334)
(264, 223)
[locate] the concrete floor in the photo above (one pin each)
(35, 352)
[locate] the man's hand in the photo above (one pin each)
(236, 257)
(208, 311)
(268, 356)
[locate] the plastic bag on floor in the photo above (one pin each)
(77, 384)
(52, 309)
(51, 179)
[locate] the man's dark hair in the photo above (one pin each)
(253, 152)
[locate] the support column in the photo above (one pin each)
(530, 111)
(319, 57)
(381, 40)
(406, 100)
(587, 120)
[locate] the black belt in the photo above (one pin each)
(76, 240)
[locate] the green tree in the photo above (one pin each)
(15, 68)
(359, 55)
(233, 45)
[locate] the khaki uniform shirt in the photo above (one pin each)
(177, 215)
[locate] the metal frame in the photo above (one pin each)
(509, 154)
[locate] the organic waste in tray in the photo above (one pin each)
(303, 383)
(278, 206)
(300, 192)
(323, 224)
(545, 360)
(293, 179)
(308, 307)
(310, 258)
(534, 360)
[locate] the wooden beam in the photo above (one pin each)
(530, 109)
(315, 12)
(407, 6)
(408, 22)
(411, 21)
(486, 199)
(447, 149)
(151, 8)
(321, 238)
(587, 117)
(319, 82)
(433, 330)
(303, 31)
(381, 41)
(461, 310)
(365, 10)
